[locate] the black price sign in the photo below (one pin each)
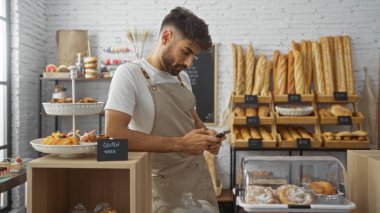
(295, 206)
(344, 120)
(303, 143)
(250, 99)
(253, 121)
(255, 143)
(340, 96)
(294, 98)
(112, 150)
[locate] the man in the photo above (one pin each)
(151, 104)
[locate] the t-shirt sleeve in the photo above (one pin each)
(186, 80)
(122, 94)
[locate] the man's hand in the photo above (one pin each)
(198, 140)
(214, 148)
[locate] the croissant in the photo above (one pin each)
(322, 187)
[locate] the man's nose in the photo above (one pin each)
(189, 61)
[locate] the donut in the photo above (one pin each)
(90, 65)
(89, 60)
(259, 195)
(294, 195)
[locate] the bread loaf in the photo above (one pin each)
(238, 112)
(295, 46)
(327, 67)
(339, 65)
(263, 111)
(293, 132)
(241, 71)
(281, 75)
(234, 62)
(309, 68)
(290, 80)
(298, 73)
(347, 52)
(285, 134)
(265, 134)
(245, 133)
(319, 83)
(255, 133)
(304, 134)
(268, 70)
(250, 70)
(250, 112)
(259, 75)
(276, 55)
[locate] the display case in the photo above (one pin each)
(293, 184)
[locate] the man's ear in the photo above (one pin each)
(166, 36)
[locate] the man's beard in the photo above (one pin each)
(167, 62)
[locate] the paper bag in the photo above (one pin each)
(70, 43)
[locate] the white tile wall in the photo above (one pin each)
(268, 25)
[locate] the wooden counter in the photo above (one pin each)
(363, 168)
(57, 184)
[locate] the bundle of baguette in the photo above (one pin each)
(251, 77)
(246, 133)
(358, 135)
(262, 111)
(292, 133)
(325, 66)
(335, 110)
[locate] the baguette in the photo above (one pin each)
(281, 75)
(319, 84)
(285, 134)
(299, 78)
(291, 83)
(327, 67)
(265, 134)
(240, 71)
(339, 65)
(304, 134)
(303, 51)
(250, 69)
(234, 62)
(255, 133)
(294, 133)
(268, 70)
(295, 46)
(347, 52)
(332, 54)
(276, 55)
(250, 112)
(309, 68)
(259, 75)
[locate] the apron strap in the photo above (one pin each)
(150, 82)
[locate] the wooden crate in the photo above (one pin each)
(357, 118)
(260, 99)
(245, 144)
(315, 143)
(345, 144)
(263, 120)
(57, 184)
(331, 99)
(284, 98)
(363, 168)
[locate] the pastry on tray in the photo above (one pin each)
(259, 195)
(58, 138)
(294, 195)
(322, 187)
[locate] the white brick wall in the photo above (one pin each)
(268, 25)
(28, 31)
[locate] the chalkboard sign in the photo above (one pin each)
(203, 77)
(112, 150)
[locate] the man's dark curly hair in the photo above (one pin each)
(190, 26)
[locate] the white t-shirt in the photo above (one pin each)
(129, 92)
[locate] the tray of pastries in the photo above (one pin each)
(64, 106)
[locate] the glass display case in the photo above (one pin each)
(293, 184)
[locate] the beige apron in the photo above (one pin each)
(176, 173)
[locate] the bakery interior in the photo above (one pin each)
(295, 81)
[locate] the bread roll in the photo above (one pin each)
(339, 65)
(276, 55)
(238, 112)
(319, 84)
(304, 134)
(347, 52)
(291, 83)
(250, 70)
(281, 75)
(238, 136)
(234, 62)
(339, 110)
(265, 134)
(325, 113)
(259, 75)
(327, 67)
(285, 134)
(268, 70)
(255, 133)
(263, 111)
(250, 112)
(240, 71)
(293, 132)
(298, 73)
(245, 133)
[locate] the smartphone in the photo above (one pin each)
(222, 134)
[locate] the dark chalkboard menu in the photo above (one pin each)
(203, 77)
